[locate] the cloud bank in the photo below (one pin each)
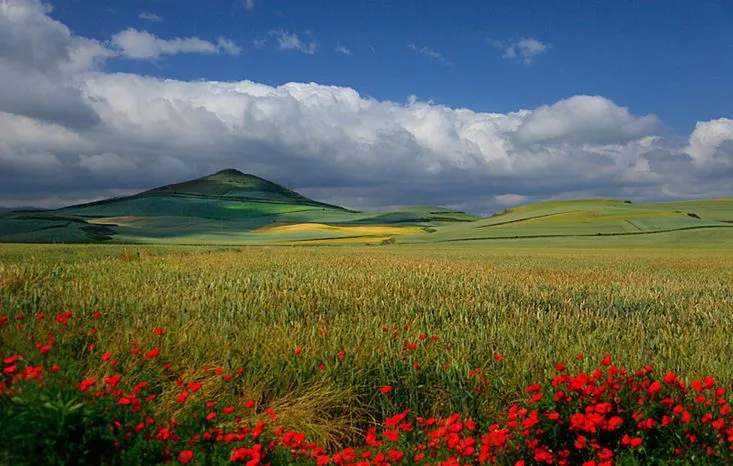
(70, 131)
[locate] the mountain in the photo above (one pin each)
(226, 207)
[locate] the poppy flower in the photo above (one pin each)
(152, 354)
(386, 389)
(158, 331)
(185, 456)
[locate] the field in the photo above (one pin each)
(315, 333)
(231, 208)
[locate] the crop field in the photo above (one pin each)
(331, 343)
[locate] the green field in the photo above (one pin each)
(312, 310)
(534, 301)
(231, 208)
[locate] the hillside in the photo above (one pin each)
(227, 207)
(604, 218)
(231, 207)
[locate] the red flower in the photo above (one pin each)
(654, 388)
(297, 351)
(341, 354)
(533, 388)
(560, 367)
(606, 360)
(395, 455)
(152, 354)
(194, 386)
(499, 357)
(249, 404)
(106, 357)
(211, 416)
(185, 456)
(158, 331)
(96, 315)
(605, 454)
(392, 435)
(386, 389)
(228, 410)
(182, 397)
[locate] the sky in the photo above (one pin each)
(369, 104)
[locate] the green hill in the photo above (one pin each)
(226, 207)
(593, 218)
(230, 207)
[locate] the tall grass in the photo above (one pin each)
(251, 308)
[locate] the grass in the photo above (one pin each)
(252, 307)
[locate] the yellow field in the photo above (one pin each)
(355, 230)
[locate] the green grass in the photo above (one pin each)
(250, 307)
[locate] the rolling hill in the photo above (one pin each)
(227, 207)
(230, 207)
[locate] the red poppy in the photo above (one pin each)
(185, 456)
(158, 331)
(152, 354)
(386, 389)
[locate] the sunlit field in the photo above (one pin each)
(332, 341)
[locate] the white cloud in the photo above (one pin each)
(227, 46)
(711, 143)
(133, 43)
(340, 48)
(430, 53)
(152, 17)
(584, 119)
(70, 130)
(290, 41)
(249, 4)
(524, 49)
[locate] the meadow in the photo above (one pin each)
(317, 333)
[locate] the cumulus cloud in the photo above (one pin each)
(711, 143)
(152, 17)
(132, 132)
(430, 53)
(584, 119)
(523, 50)
(290, 41)
(133, 43)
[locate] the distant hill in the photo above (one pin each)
(226, 207)
(231, 207)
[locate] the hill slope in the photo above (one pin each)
(230, 207)
(223, 208)
(591, 218)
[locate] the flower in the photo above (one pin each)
(158, 331)
(152, 354)
(386, 389)
(185, 456)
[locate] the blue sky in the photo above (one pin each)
(672, 58)
(369, 104)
